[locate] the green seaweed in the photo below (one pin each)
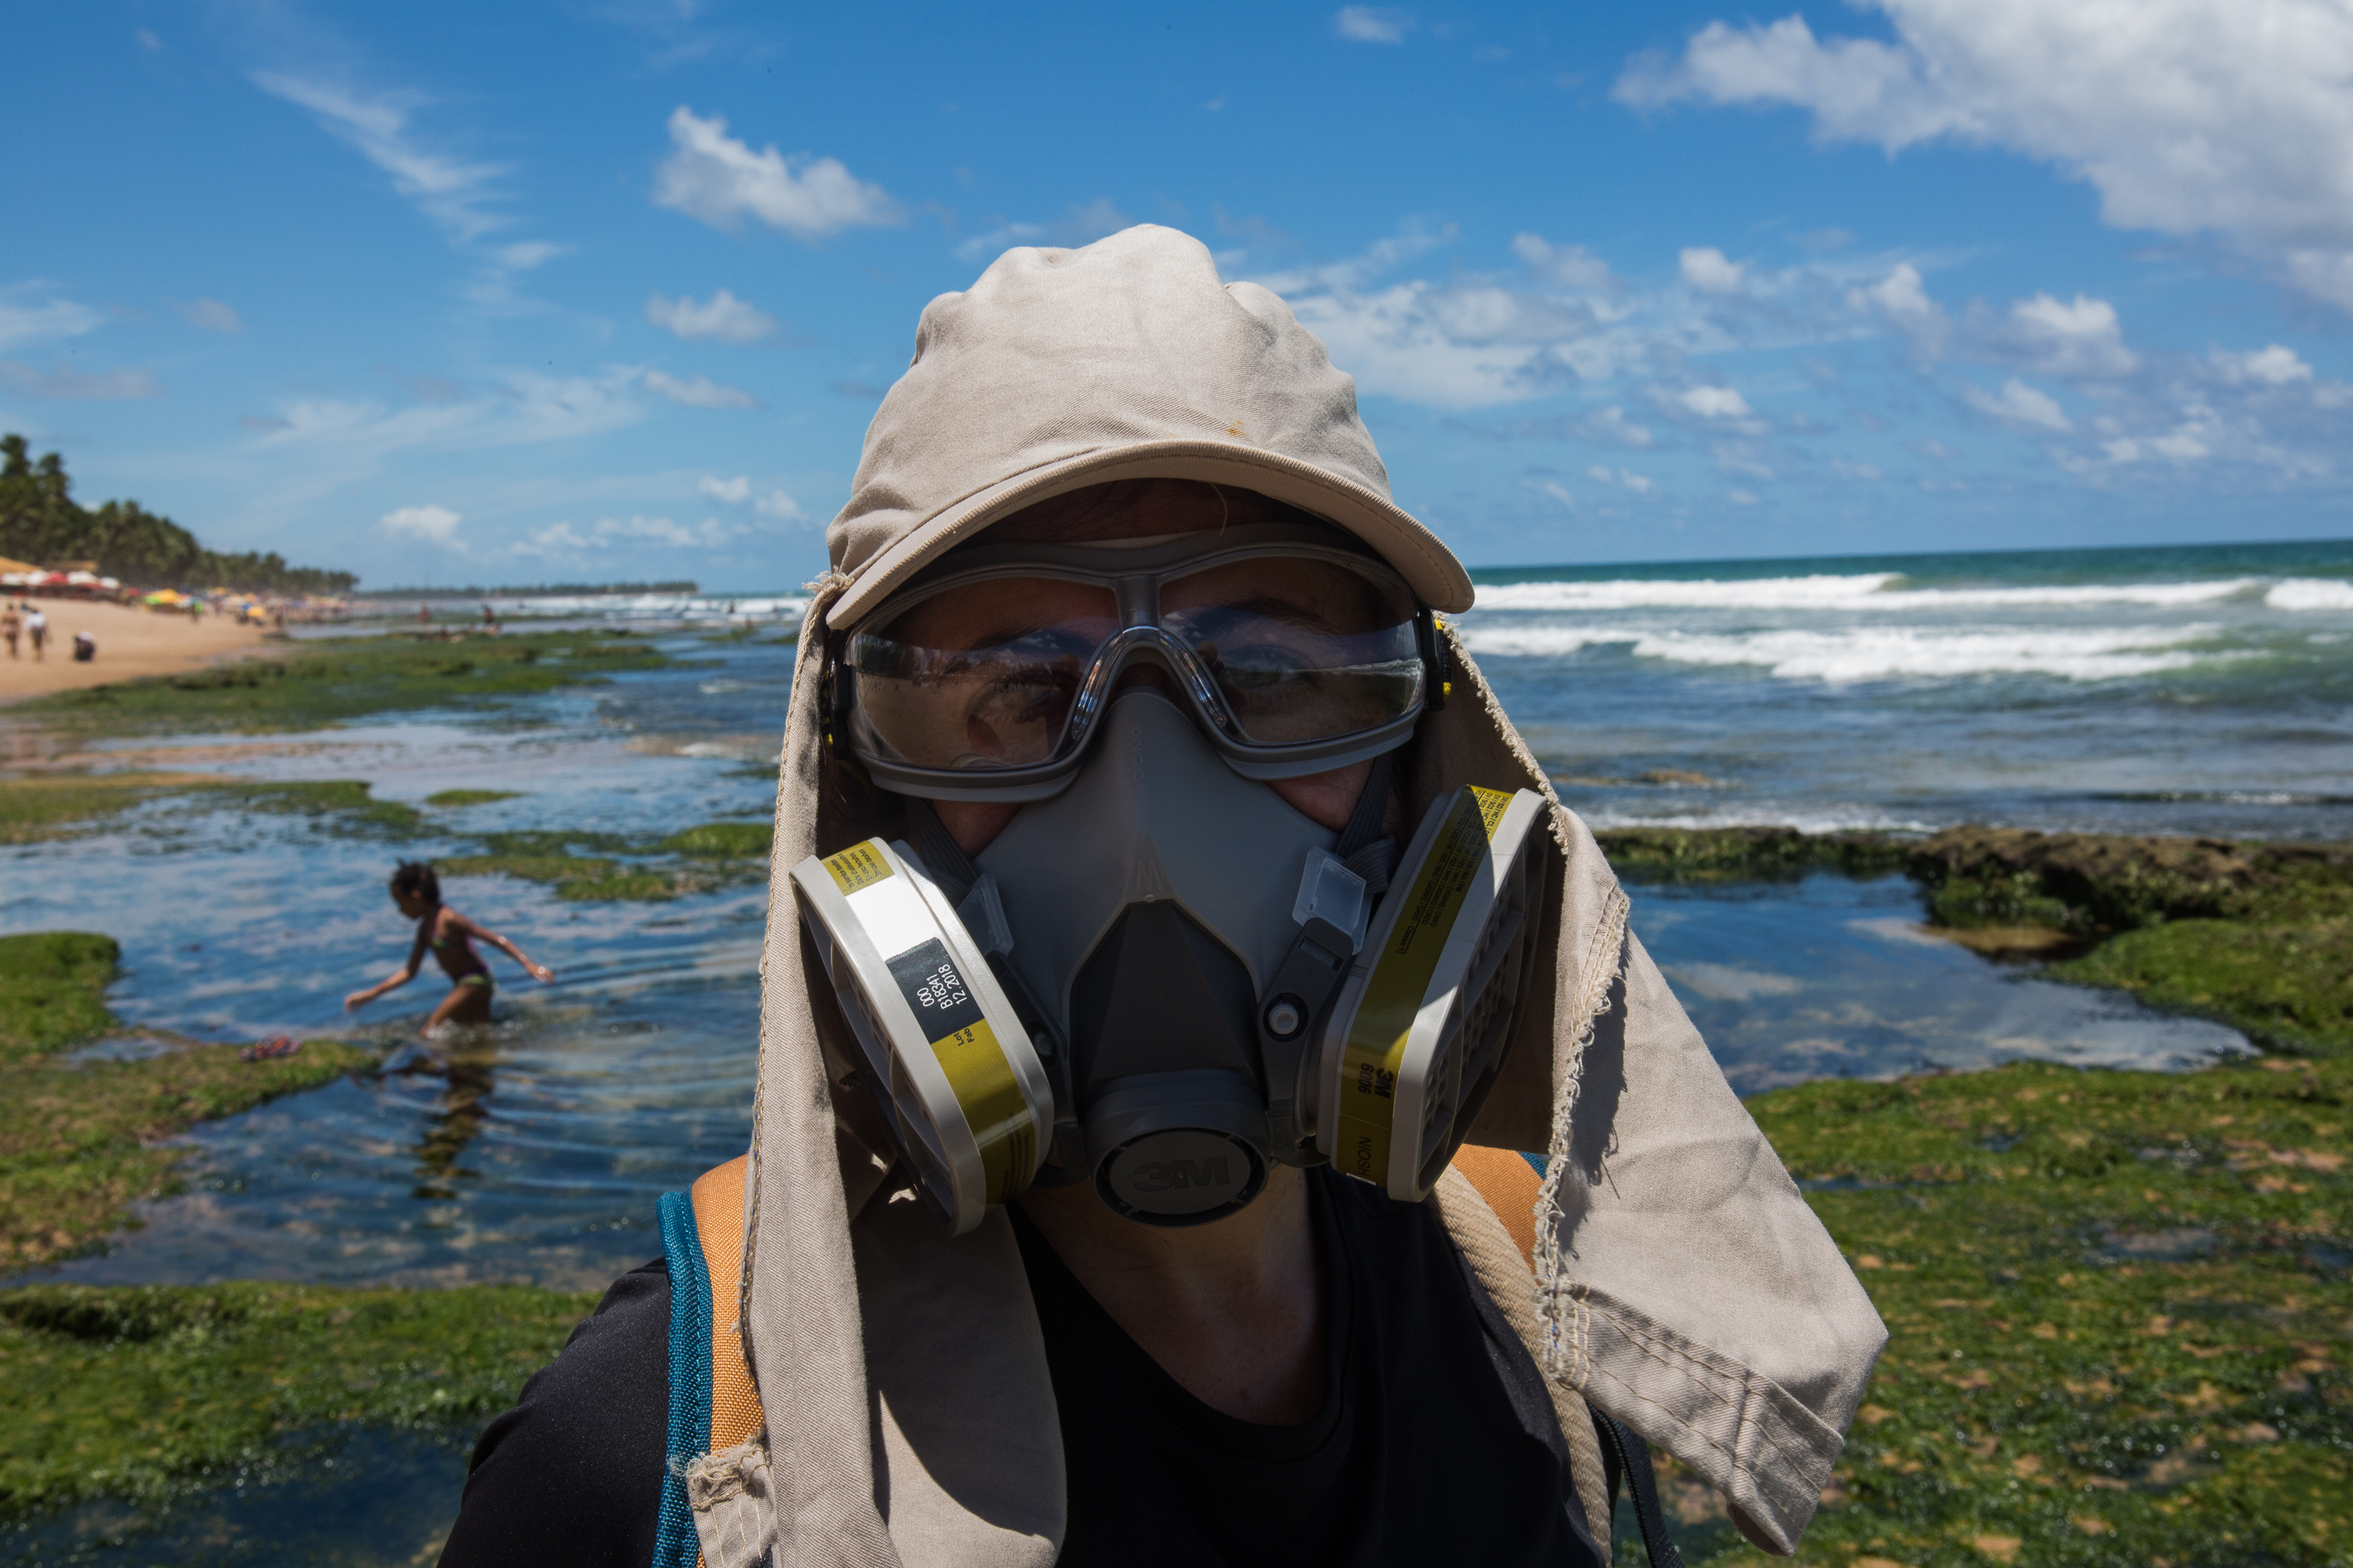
(2288, 988)
(2117, 1304)
(713, 855)
(141, 1392)
(330, 681)
(77, 1138)
(66, 805)
(1746, 854)
(455, 797)
(53, 990)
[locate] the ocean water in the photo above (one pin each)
(2189, 691)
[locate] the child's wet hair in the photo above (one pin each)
(416, 877)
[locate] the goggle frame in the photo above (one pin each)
(1135, 573)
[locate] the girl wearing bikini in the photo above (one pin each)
(451, 936)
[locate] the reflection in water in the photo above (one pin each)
(464, 1059)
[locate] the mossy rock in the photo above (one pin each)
(724, 841)
(141, 1392)
(2117, 1304)
(449, 798)
(2290, 988)
(53, 990)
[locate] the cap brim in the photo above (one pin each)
(1430, 568)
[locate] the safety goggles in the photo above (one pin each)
(985, 678)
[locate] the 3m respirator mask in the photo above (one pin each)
(1160, 977)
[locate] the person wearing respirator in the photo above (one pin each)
(1170, 941)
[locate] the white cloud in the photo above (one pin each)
(2081, 339)
(76, 385)
(1902, 301)
(209, 315)
(724, 319)
(1612, 425)
(1639, 483)
(1715, 401)
(2228, 116)
(2019, 404)
(149, 41)
(1710, 271)
(562, 538)
(711, 176)
(22, 324)
(699, 390)
(1371, 23)
(737, 492)
(1743, 498)
(1556, 490)
(450, 191)
(436, 523)
(1564, 265)
(1847, 470)
(2276, 365)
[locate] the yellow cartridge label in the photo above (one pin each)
(860, 866)
(1375, 1052)
(986, 1092)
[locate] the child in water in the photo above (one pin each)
(451, 936)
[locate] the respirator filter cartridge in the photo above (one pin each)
(1420, 1025)
(954, 1071)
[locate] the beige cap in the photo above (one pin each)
(1127, 359)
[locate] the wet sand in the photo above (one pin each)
(130, 643)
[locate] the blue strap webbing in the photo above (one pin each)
(1537, 1162)
(676, 1545)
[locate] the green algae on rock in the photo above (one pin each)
(2255, 935)
(78, 1138)
(696, 860)
(326, 682)
(1746, 854)
(140, 1392)
(64, 805)
(2118, 1308)
(456, 797)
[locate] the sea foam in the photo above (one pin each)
(1881, 653)
(1862, 591)
(2310, 593)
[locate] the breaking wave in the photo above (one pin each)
(2310, 593)
(1878, 653)
(1874, 591)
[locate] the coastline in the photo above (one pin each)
(130, 644)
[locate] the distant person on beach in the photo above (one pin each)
(85, 648)
(489, 621)
(12, 626)
(452, 937)
(424, 614)
(37, 629)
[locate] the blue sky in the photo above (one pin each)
(599, 290)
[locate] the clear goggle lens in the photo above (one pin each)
(985, 675)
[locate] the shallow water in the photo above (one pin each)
(371, 1499)
(534, 1150)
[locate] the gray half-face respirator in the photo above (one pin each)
(1165, 980)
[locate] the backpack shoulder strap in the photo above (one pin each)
(1487, 1202)
(718, 1200)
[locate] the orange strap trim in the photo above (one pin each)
(718, 1200)
(1508, 1184)
(1511, 1185)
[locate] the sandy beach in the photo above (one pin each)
(130, 643)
